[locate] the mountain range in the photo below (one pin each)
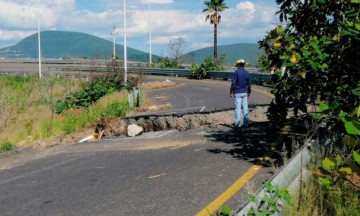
(247, 51)
(64, 44)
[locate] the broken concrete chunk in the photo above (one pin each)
(134, 130)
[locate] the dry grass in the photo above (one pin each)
(147, 108)
(30, 109)
(36, 120)
(157, 85)
(342, 200)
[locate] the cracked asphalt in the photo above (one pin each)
(159, 173)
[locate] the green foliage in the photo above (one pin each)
(356, 157)
(24, 106)
(322, 66)
(314, 199)
(167, 63)
(6, 146)
(77, 119)
(14, 97)
(335, 169)
(115, 109)
(224, 211)
(90, 93)
(320, 57)
(201, 71)
(69, 123)
(271, 203)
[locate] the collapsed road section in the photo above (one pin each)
(181, 122)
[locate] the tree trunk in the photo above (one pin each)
(215, 42)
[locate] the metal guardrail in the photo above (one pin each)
(171, 72)
(69, 62)
(82, 71)
(229, 75)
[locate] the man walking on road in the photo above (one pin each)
(240, 89)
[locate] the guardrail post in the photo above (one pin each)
(137, 97)
(130, 99)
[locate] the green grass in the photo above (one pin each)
(27, 114)
(107, 108)
(6, 146)
(342, 200)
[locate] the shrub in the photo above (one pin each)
(201, 71)
(90, 93)
(167, 63)
(114, 109)
(6, 146)
(69, 123)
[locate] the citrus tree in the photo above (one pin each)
(317, 50)
(318, 47)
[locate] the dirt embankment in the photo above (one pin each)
(118, 127)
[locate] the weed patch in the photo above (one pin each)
(6, 146)
(343, 199)
(28, 105)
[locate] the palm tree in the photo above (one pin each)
(214, 7)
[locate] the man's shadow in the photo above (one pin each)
(249, 144)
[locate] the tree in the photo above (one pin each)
(319, 45)
(214, 7)
(178, 48)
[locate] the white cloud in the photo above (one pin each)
(11, 35)
(165, 39)
(157, 1)
(247, 7)
(247, 20)
(92, 21)
(180, 21)
(23, 14)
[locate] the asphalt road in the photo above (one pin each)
(10, 67)
(161, 173)
(195, 95)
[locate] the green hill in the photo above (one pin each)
(61, 44)
(249, 52)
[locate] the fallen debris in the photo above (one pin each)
(94, 137)
(134, 130)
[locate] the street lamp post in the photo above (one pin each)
(39, 40)
(150, 51)
(114, 43)
(125, 49)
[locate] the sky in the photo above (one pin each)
(245, 21)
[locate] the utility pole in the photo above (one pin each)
(39, 40)
(113, 33)
(125, 49)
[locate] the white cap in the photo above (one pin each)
(240, 61)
